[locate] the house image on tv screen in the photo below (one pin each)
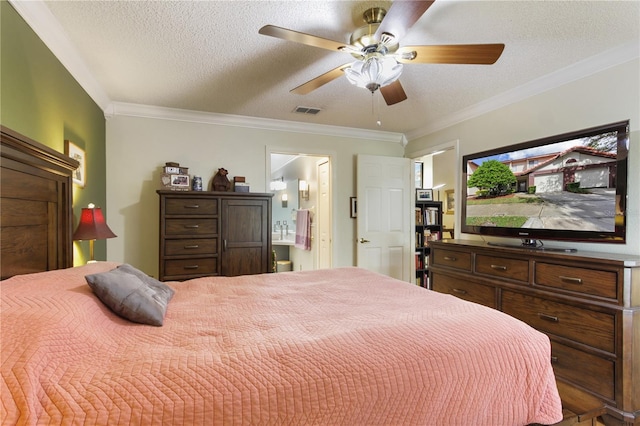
(579, 166)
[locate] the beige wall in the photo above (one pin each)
(138, 147)
(605, 97)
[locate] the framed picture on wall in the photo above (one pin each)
(450, 201)
(424, 194)
(77, 153)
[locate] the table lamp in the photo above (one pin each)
(92, 226)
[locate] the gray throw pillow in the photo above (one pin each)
(132, 294)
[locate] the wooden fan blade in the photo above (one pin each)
(393, 93)
(480, 54)
(298, 37)
(321, 80)
(401, 16)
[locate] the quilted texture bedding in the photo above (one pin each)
(341, 346)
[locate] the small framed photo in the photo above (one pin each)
(354, 207)
(424, 194)
(77, 153)
(180, 181)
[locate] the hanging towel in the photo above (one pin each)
(303, 230)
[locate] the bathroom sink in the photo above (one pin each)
(283, 238)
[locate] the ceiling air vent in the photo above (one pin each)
(307, 110)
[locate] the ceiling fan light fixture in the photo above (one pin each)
(374, 72)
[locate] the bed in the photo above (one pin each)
(328, 347)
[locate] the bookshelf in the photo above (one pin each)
(428, 228)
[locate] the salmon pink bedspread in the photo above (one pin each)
(341, 346)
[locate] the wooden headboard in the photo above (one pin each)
(36, 217)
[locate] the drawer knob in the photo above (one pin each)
(192, 226)
(450, 258)
(554, 360)
(191, 266)
(571, 280)
(459, 291)
(548, 317)
(195, 246)
(499, 267)
(192, 206)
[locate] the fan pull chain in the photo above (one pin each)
(379, 122)
(373, 108)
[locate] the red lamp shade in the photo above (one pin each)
(92, 227)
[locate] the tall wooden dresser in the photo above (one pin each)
(587, 303)
(214, 233)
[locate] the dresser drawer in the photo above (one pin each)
(596, 329)
(464, 289)
(595, 373)
(190, 246)
(191, 226)
(586, 281)
(201, 206)
(453, 259)
(178, 267)
(514, 269)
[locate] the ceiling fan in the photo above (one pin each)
(379, 56)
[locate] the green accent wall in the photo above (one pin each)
(40, 99)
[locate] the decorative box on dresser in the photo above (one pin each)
(587, 303)
(206, 233)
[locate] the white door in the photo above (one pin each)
(384, 215)
(324, 215)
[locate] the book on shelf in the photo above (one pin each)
(426, 235)
(426, 215)
(420, 260)
(419, 220)
(431, 216)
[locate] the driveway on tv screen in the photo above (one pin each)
(558, 210)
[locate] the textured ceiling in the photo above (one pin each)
(208, 56)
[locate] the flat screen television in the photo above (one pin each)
(569, 187)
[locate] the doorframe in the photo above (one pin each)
(446, 146)
(318, 164)
(333, 166)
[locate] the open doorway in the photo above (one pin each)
(439, 170)
(301, 181)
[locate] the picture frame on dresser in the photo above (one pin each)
(180, 181)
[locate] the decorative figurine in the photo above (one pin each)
(220, 180)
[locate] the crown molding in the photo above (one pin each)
(38, 16)
(163, 113)
(589, 66)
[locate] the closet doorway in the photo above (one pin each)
(301, 181)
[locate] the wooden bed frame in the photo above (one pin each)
(36, 218)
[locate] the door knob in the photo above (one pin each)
(362, 240)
